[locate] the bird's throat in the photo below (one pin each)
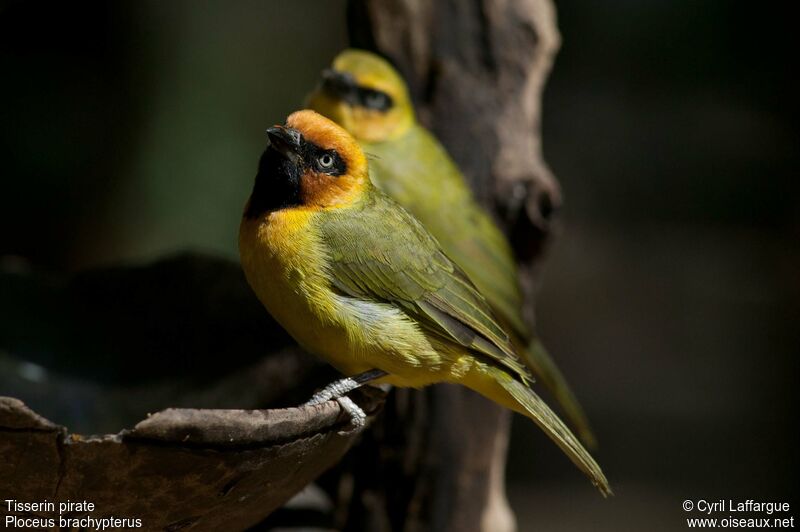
(277, 185)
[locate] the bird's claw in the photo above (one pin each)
(358, 419)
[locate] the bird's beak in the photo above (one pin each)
(286, 141)
(339, 84)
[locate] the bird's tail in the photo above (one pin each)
(546, 371)
(531, 405)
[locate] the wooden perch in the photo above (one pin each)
(204, 469)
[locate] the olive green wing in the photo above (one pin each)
(378, 251)
(417, 171)
(477, 243)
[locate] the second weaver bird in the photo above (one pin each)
(364, 94)
(358, 281)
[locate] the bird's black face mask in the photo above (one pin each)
(282, 167)
(278, 182)
(344, 86)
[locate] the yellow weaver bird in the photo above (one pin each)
(364, 94)
(358, 281)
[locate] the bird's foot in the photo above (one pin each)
(338, 390)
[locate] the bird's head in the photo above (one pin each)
(364, 94)
(309, 162)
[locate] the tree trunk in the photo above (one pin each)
(436, 459)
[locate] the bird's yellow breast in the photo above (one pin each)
(283, 261)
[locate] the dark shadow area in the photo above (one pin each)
(671, 297)
(132, 133)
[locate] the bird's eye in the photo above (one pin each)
(376, 100)
(326, 160)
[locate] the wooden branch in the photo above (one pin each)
(208, 469)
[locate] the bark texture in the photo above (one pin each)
(178, 469)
